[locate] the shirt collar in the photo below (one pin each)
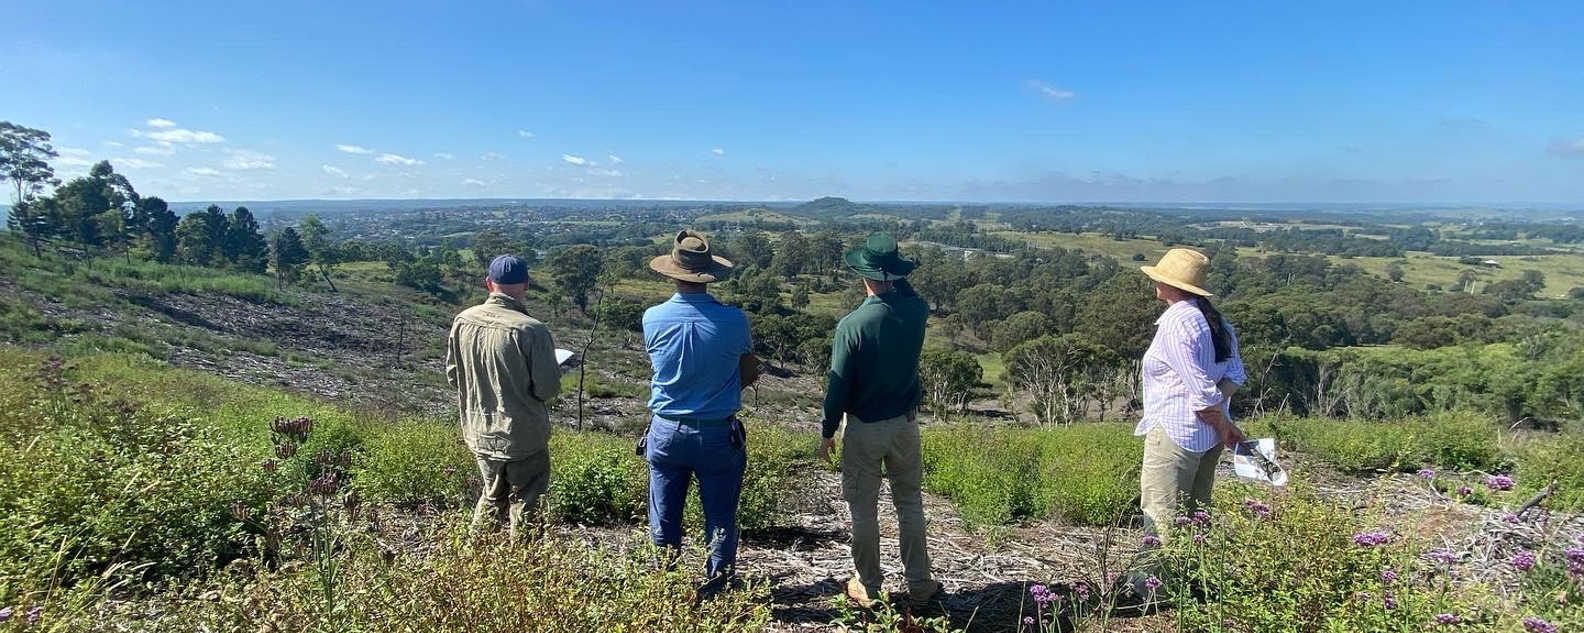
(506, 301)
(693, 297)
(1180, 305)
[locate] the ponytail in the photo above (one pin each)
(1218, 330)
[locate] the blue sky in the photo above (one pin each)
(1477, 102)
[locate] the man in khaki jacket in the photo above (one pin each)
(502, 363)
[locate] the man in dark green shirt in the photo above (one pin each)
(874, 385)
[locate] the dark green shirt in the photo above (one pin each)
(875, 357)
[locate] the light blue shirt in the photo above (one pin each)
(694, 344)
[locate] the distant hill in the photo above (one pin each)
(831, 207)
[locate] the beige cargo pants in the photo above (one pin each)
(1173, 479)
(512, 489)
(888, 448)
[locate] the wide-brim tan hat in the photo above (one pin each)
(690, 260)
(1181, 268)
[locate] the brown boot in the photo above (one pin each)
(919, 599)
(857, 592)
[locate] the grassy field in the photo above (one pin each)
(1562, 272)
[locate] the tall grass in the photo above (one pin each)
(1086, 474)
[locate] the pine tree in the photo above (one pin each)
(288, 256)
(244, 245)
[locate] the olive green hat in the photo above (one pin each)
(879, 259)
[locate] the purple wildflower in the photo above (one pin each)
(1199, 539)
(34, 614)
(1201, 517)
(1152, 583)
(1537, 625)
(1445, 619)
(1181, 521)
(1082, 589)
(1499, 482)
(1388, 575)
(5, 614)
(1371, 539)
(1029, 620)
(1574, 554)
(1389, 601)
(1524, 561)
(1259, 509)
(1151, 541)
(1464, 491)
(1427, 473)
(1036, 589)
(1444, 556)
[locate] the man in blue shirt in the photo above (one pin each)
(702, 354)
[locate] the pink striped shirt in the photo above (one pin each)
(1180, 376)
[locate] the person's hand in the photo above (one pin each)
(1230, 434)
(827, 446)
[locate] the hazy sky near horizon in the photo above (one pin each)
(1479, 102)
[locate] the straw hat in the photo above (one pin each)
(1181, 268)
(690, 260)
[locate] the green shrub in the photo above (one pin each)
(413, 463)
(1560, 460)
(1460, 441)
(596, 479)
(491, 587)
(1298, 562)
(1086, 473)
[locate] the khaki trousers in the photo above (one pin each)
(1173, 479)
(513, 489)
(867, 448)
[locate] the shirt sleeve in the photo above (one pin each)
(838, 382)
(1191, 355)
(747, 334)
(452, 357)
(542, 367)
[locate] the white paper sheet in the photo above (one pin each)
(1249, 467)
(563, 355)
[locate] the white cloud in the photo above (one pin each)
(136, 163)
(203, 171)
(474, 182)
(718, 151)
(73, 151)
(354, 149)
(158, 149)
(397, 159)
(161, 123)
(491, 156)
(605, 172)
(73, 161)
(525, 134)
(1050, 92)
(334, 171)
(445, 156)
(244, 159)
(1562, 147)
(114, 144)
(343, 191)
(575, 160)
(616, 160)
(179, 135)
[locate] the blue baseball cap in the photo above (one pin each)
(508, 269)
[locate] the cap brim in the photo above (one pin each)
(720, 269)
(1155, 274)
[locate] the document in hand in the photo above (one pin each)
(1260, 466)
(563, 355)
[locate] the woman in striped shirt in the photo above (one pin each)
(1189, 373)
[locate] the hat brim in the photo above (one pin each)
(858, 264)
(1155, 274)
(720, 268)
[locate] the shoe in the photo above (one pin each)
(920, 599)
(860, 594)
